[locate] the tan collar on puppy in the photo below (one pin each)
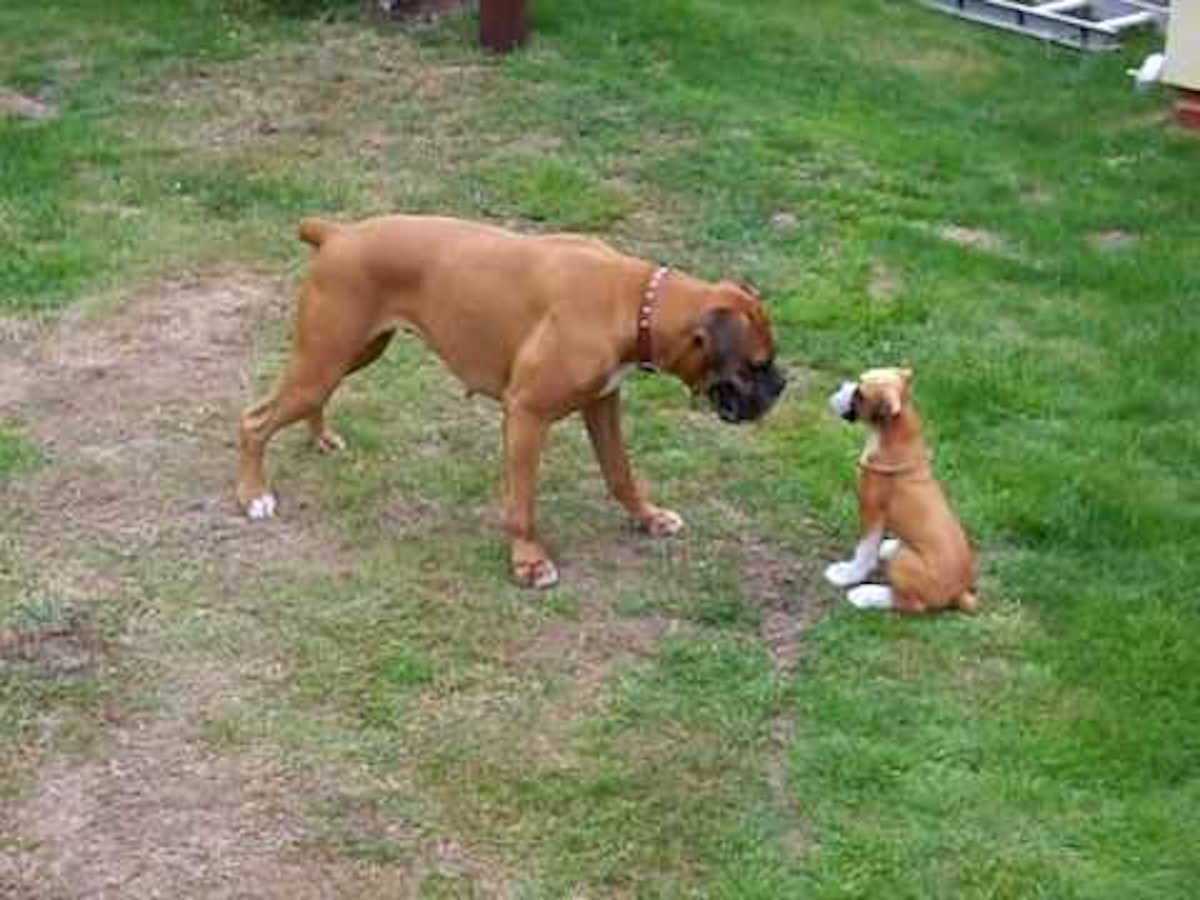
(869, 460)
(893, 469)
(645, 346)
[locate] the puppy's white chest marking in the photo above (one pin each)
(871, 448)
(615, 379)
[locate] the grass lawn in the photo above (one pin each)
(354, 701)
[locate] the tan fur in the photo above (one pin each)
(935, 567)
(540, 323)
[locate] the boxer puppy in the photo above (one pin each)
(546, 325)
(930, 566)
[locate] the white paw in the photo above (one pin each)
(889, 548)
(261, 507)
(547, 575)
(539, 573)
(330, 442)
(843, 574)
(664, 523)
(871, 596)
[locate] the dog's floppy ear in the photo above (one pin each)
(717, 334)
(750, 288)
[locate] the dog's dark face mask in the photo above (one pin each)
(739, 388)
(846, 400)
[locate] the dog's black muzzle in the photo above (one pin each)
(744, 398)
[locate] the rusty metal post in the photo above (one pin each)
(503, 25)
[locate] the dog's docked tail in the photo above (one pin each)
(317, 231)
(968, 602)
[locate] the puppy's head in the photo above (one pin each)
(731, 358)
(876, 398)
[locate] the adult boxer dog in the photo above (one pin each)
(546, 325)
(931, 566)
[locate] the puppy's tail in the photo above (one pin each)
(317, 231)
(968, 602)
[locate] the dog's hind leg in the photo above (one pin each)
(326, 439)
(301, 393)
(872, 596)
(967, 602)
(327, 345)
(914, 588)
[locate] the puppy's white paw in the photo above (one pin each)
(871, 596)
(261, 507)
(843, 574)
(889, 548)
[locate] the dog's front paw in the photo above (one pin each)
(871, 596)
(842, 574)
(662, 522)
(535, 573)
(261, 507)
(531, 565)
(329, 441)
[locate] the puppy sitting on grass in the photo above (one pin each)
(930, 566)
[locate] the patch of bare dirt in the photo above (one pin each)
(784, 221)
(1111, 241)
(884, 283)
(21, 106)
(137, 415)
(940, 62)
(591, 648)
(318, 100)
(975, 238)
(163, 817)
(1039, 196)
(797, 840)
(400, 10)
(52, 652)
(585, 654)
(981, 240)
(791, 594)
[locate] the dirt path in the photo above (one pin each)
(136, 413)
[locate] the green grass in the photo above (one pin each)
(1048, 748)
(548, 190)
(17, 454)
